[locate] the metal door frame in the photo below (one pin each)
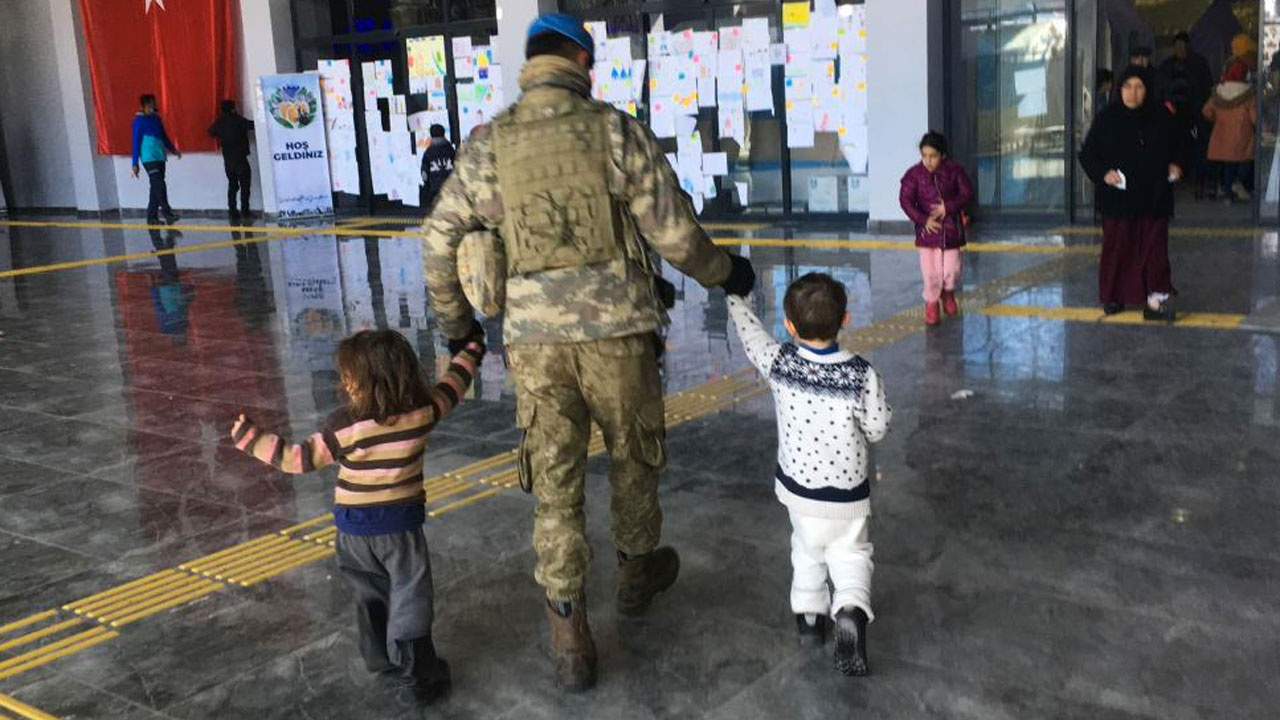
(953, 24)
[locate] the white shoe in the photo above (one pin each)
(1242, 194)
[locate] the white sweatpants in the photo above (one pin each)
(840, 547)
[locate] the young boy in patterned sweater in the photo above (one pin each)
(378, 439)
(830, 404)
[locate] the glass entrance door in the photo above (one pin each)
(1268, 179)
(1008, 103)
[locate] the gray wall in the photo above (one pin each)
(35, 137)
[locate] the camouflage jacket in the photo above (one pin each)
(572, 304)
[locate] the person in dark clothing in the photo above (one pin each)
(1104, 90)
(1185, 84)
(151, 146)
(1140, 56)
(1134, 154)
(232, 131)
(437, 163)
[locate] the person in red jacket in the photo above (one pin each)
(1233, 110)
(934, 195)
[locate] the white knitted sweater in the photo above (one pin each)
(829, 406)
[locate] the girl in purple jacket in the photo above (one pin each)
(934, 195)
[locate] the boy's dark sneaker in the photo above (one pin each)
(811, 635)
(851, 642)
(430, 693)
(1112, 308)
(172, 218)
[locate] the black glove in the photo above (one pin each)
(742, 277)
(666, 291)
(475, 334)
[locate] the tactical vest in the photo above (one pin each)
(554, 175)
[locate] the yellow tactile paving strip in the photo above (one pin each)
(1200, 321)
(1213, 232)
(22, 710)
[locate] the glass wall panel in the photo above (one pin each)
(321, 18)
(1008, 102)
(763, 177)
(1091, 94)
(1269, 106)
(820, 175)
(584, 7)
(757, 161)
(372, 15)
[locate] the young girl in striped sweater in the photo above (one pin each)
(378, 441)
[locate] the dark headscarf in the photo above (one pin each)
(1148, 80)
(1140, 142)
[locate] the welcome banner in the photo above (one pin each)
(299, 158)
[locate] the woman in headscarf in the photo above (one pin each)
(1133, 155)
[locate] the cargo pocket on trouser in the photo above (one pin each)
(649, 436)
(629, 392)
(634, 475)
(525, 412)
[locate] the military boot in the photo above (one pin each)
(572, 648)
(641, 577)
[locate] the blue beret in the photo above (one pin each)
(566, 25)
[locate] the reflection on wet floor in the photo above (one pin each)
(1058, 498)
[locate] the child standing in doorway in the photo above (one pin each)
(830, 405)
(378, 439)
(935, 193)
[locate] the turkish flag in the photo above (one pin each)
(181, 51)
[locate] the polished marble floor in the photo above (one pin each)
(1071, 520)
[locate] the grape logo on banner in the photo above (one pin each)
(299, 152)
(292, 106)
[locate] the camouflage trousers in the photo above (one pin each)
(560, 390)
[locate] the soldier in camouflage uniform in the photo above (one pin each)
(578, 194)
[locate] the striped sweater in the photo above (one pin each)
(379, 488)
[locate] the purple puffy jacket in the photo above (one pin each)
(921, 190)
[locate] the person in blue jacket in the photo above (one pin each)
(151, 146)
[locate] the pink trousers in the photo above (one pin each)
(940, 270)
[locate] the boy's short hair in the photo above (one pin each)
(437, 131)
(146, 100)
(815, 305)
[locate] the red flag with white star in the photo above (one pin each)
(181, 51)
